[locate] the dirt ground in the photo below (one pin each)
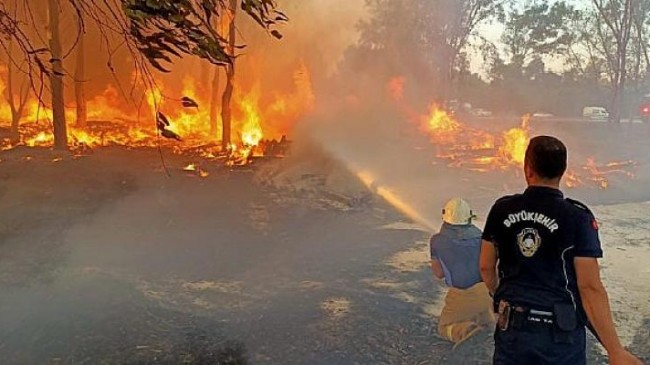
(105, 259)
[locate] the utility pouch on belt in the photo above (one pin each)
(566, 322)
(503, 319)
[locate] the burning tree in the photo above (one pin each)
(154, 32)
(56, 76)
(16, 106)
(226, 114)
(11, 35)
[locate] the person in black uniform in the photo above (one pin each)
(539, 261)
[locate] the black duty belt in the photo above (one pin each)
(513, 316)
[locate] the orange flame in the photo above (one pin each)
(480, 151)
(439, 121)
(515, 143)
(288, 108)
(254, 118)
(250, 122)
(5, 111)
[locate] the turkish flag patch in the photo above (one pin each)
(594, 223)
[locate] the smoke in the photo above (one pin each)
(318, 33)
(319, 84)
(372, 130)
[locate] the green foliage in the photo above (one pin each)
(163, 29)
(539, 29)
(423, 40)
(583, 48)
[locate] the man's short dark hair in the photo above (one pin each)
(547, 156)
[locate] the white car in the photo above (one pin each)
(479, 112)
(595, 113)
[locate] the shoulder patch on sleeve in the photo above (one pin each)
(594, 223)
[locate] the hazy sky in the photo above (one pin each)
(493, 33)
(345, 26)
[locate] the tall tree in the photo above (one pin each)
(222, 25)
(226, 108)
(618, 17)
(214, 101)
(460, 19)
(640, 70)
(56, 77)
(589, 53)
(537, 30)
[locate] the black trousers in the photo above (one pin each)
(538, 346)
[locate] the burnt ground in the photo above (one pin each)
(104, 259)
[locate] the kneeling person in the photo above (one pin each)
(455, 255)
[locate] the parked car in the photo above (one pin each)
(542, 115)
(595, 113)
(645, 109)
(480, 112)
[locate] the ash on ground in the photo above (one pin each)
(105, 259)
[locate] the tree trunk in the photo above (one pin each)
(17, 115)
(619, 88)
(9, 96)
(622, 43)
(637, 66)
(15, 108)
(226, 112)
(615, 115)
(79, 80)
(642, 52)
(56, 78)
(214, 102)
(614, 108)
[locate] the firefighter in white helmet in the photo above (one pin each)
(455, 252)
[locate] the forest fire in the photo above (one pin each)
(515, 142)
(477, 150)
(256, 123)
(260, 123)
(265, 181)
(439, 122)
(462, 146)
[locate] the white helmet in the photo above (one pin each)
(457, 212)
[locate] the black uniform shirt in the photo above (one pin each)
(537, 235)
